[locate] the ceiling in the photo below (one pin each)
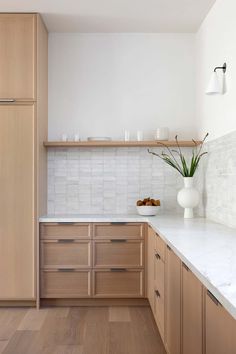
(115, 15)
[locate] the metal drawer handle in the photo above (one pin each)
(213, 298)
(66, 241)
(168, 247)
(66, 269)
(157, 256)
(118, 240)
(118, 223)
(7, 100)
(118, 269)
(157, 293)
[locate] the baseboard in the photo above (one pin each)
(93, 302)
(17, 303)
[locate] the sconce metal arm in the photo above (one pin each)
(221, 68)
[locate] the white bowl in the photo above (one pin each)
(147, 210)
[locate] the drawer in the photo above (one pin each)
(159, 275)
(118, 283)
(118, 253)
(65, 253)
(118, 230)
(159, 313)
(160, 247)
(65, 230)
(65, 283)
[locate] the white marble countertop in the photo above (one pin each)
(207, 248)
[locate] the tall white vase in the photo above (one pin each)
(188, 197)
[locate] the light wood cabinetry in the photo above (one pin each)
(150, 265)
(173, 302)
(192, 313)
(18, 56)
(111, 254)
(23, 160)
(220, 328)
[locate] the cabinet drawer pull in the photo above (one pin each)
(66, 270)
(213, 298)
(186, 267)
(157, 293)
(118, 223)
(66, 240)
(118, 269)
(168, 247)
(157, 235)
(157, 256)
(118, 240)
(7, 100)
(66, 223)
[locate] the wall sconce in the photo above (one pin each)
(215, 87)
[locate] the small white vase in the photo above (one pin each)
(188, 197)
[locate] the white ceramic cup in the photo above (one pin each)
(139, 135)
(76, 137)
(127, 135)
(162, 133)
(64, 137)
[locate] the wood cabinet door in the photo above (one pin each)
(17, 264)
(220, 328)
(192, 313)
(17, 59)
(173, 302)
(150, 266)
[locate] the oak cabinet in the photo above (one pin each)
(112, 256)
(17, 272)
(23, 158)
(192, 313)
(173, 302)
(220, 328)
(150, 266)
(18, 56)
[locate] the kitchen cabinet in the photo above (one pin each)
(173, 302)
(23, 159)
(18, 56)
(192, 313)
(150, 266)
(220, 328)
(111, 254)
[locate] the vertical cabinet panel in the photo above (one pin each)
(150, 266)
(220, 328)
(17, 59)
(17, 202)
(173, 302)
(192, 313)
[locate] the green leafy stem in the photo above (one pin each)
(177, 160)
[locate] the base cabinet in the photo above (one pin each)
(220, 328)
(192, 313)
(80, 260)
(173, 302)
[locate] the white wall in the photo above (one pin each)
(215, 44)
(101, 84)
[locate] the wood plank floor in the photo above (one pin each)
(79, 330)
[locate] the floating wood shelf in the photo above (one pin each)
(117, 143)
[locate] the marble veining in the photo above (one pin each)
(207, 248)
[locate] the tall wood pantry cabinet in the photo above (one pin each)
(23, 163)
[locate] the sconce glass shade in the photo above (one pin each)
(214, 87)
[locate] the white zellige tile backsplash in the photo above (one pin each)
(108, 180)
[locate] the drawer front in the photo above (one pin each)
(65, 253)
(159, 275)
(118, 283)
(65, 284)
(160, 247)
(65, 230)
(159, 313)
(118, 230)
(114, 253)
